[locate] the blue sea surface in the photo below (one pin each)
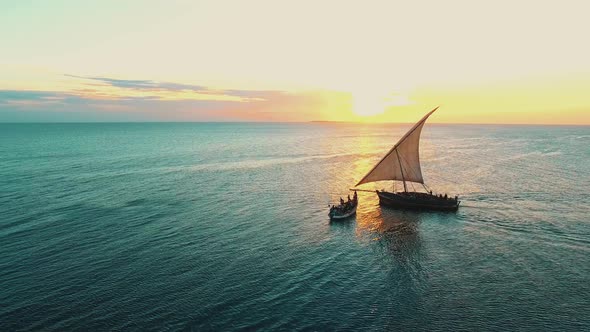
(223, 227)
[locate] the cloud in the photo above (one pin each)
(16, 95)
(110, 99)
(55, 106)
(90, 105)
(105, 87)
(144, 84)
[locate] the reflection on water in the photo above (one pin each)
(394, 237)
(394, 231)
(400, 234)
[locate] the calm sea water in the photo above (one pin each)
(224, 227)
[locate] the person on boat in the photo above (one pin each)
(348, 198)
(355, 197)
(431, 193)
(341, 201)
(446, 196)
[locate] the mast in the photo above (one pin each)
(401, 168)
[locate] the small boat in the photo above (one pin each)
(338, 215)
(344, 210)
(402, 163)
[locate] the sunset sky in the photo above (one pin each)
(368, 61)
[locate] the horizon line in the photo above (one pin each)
(299, 122)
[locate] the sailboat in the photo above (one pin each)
(402, 163)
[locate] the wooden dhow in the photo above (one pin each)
(402, 163)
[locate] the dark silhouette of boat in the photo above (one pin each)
(345, 209)
(417, 201)
(402, 163)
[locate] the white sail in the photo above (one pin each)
(402, 162)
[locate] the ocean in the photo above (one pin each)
(224, 227)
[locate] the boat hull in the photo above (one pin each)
(417, 201)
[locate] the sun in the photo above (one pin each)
(367, 103)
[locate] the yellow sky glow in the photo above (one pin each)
(371, 61)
